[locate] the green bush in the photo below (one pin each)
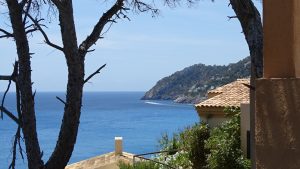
(193, 142)
(175, 157)
(199, 147)
(225, 146)
(190, 145)
(139, 165)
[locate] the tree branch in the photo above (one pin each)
(27, 11)
(6, 34)
(106, 18)
(10, 115)
(5, 77)
(11, 78)
(47, 41)
(14, 149)
(93, 74)
(231, 17)
(4, 95)
(61, 100)
(31, 30)
(141, 6)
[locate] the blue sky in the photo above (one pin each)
(138, 52)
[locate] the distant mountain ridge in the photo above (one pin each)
(191, 84)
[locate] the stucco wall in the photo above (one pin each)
(277, 119)
(281, 38)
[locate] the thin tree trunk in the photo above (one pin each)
(251, 23)
(24, 81)
(69, 128)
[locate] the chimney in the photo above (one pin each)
(118, 145)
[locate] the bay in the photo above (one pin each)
(105, 115)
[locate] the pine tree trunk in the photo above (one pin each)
(25, 84)
(69, 128)
(251, 23)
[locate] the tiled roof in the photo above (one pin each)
(232, 94)
(105, 161)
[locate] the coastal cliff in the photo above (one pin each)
(191, 84)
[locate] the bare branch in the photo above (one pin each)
(5, 77)
(47, 41)
(10, 115)
(92, 50)
(27, 11)
(231, 17)
(6, 34)
(31, 30)
(61, 100)
(141, 6)
(4, 95)
(20, 147)
(96, 33)
(14, 149)
(93, 74)
(12, 77)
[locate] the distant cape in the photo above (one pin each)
(191, 84)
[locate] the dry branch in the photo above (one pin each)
(96, 33)
(38, 26)
(6, 34)
(231, 17)
(10, 78)
(93, 74)
(5, 77)
(14, 149)
(10, 115)
(4, 96)
(27, 11)
(141, 6)
(61, 100)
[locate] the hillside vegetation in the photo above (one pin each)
(191, 84)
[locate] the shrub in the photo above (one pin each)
(202, 148)
(224, 144)
(193, 142)
(139, 165)
(190, 144)
(175, 157)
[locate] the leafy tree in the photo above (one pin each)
(26, 18)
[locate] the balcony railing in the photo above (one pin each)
(141, 157)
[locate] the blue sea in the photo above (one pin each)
(105, 115)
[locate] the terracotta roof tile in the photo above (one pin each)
(232, 94)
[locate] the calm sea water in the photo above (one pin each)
(104, 116)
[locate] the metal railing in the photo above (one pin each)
(141, 156)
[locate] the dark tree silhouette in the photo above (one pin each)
(23, 22)
(251, 23)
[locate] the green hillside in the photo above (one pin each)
(191, 84)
